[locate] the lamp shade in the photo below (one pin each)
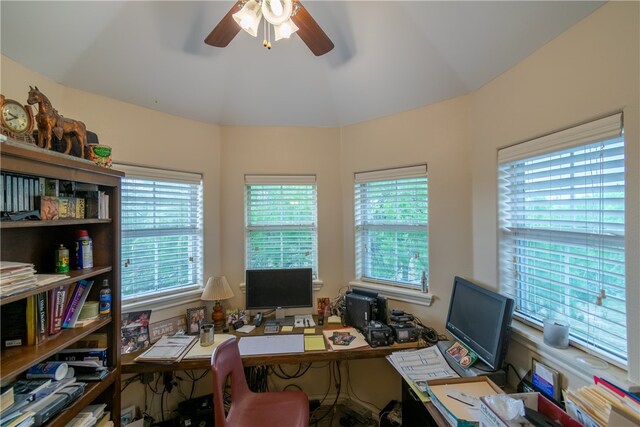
(249, 17)
(217, 289)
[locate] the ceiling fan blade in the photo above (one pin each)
(310, 32)
(226, 29)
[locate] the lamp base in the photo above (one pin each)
(218, 317)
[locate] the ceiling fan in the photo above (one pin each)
(284, 16)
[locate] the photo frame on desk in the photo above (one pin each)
(546, 379)
(196, 317)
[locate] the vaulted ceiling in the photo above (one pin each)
(389, 56)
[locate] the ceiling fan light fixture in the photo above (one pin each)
(277, 12)
(284, 30)
(248, 18)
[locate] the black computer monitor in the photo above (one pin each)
(279, 288)
(481, 319)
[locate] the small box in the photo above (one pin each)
(443, 394)
(66, 207)
(48, 207)
(535, 401)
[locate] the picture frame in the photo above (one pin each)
(168, 327)
(546, 379)
(134, 331)
(196, 317)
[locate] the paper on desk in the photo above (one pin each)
(246, 329)
(303, 320)
(421, 365)
(286, 329)
(168, 349)
(314, 342)
(309, 331)
(205, 352)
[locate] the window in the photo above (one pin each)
(562, 228)
(161, 232)
(281, 222)
(391, 232)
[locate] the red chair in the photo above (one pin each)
(249, 409)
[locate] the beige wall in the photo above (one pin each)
(588, 72)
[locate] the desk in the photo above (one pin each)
(129, 366)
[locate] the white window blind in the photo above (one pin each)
(562, 226)
(161, 232)
(281, 222)
(391, 232)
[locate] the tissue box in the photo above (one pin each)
(534, 401)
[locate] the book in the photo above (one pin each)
(57, 298)
(30, 390)
(6, 398)
(14, 326)
(42, 332)
(75, 304)
(83, 354)
(31, 320)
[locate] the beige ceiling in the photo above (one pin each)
(389, 56)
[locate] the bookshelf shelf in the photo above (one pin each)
(35, 241)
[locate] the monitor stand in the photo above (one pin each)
(479, 368)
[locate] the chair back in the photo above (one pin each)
(226, 363)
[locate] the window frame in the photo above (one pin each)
(164, 298)
(398, 290)
(572, 139)
(282, 181)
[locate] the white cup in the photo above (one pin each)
(556, 333)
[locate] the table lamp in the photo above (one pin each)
(217, 289)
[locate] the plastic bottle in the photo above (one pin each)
(84, 250)
(105, 299)
(62, 259)
(425, 284)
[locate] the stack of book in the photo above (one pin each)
(36, 400)
(16, 277)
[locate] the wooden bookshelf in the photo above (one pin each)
(34, 241)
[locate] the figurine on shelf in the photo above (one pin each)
(50, 122)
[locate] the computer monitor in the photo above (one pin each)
(480, 319)
(279, 288)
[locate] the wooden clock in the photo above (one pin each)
(16, 120)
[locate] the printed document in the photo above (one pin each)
(419, 366)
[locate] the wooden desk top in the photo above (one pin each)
(129, 366)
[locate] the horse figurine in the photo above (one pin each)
(50, 122)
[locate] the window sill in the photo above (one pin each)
(568, 360)
(162, 302)
(396, 293)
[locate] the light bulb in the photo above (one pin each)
(246, 22)
(285, 30)
(276, 7)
